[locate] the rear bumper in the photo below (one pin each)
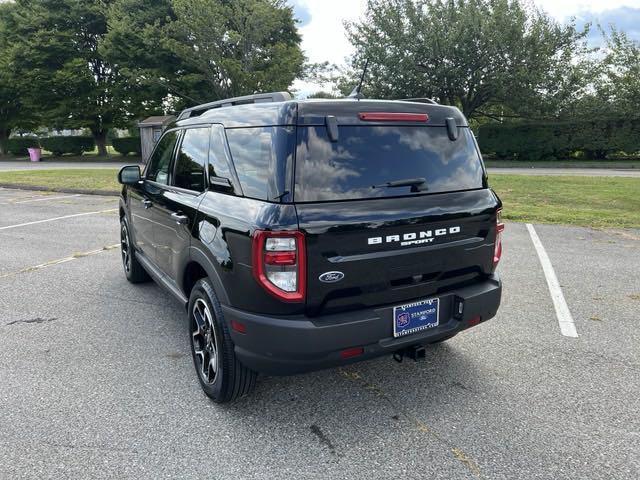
(279, 346)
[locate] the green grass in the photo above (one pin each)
(101, 179)
(601, 202)
(563, 164)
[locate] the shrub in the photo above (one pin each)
(61, 145)
(127, 145)
(19, 145)
(539, 141)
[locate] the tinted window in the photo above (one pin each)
(189, 172)
(160, 161)
(364, 159)
(218, 161)
(261, 156)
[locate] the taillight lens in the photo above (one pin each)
(497, 252)
(279, 264)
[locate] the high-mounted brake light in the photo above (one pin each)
(497, 252)
(393, 117)
(279, 264)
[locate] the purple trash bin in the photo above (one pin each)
(34, 154)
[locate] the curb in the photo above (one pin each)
(38, 188)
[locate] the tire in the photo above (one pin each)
(223, 378)
(134, 272)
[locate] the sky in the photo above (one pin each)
(324, 39)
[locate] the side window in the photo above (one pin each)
(261, 156)
(192, 157)
(159, 164)
(218, 161)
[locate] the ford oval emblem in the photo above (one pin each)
(331, 277)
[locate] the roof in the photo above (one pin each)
(156, 120)
(230, 102)
(315, 111)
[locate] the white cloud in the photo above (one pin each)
(564, 9)
(324, 37)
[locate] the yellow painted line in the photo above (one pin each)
(44, 198)
(51, 263)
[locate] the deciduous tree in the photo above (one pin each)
(476, 54)
(66, 77)
(619, 81)
(203, 50)
(13, 112)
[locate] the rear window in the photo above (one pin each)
(366, 158)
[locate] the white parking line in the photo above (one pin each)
(43, 198)
(58, 218)
(565, 320)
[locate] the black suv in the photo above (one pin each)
(305, 234)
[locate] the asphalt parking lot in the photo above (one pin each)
(96, 379)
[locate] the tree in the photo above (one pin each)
(133, 45)
(204, 50)
(619, 81)
(65, 75)
(477, 54)
(9, 107)
(324, 95)
(13, 113)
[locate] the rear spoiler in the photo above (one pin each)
(363, 112)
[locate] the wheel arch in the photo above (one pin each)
(200, 266)
(122, 209)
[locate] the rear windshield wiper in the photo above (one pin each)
(416, 184)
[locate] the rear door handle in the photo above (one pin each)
(180, 219)
(147, 203)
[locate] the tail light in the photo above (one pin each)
(279, 264)
(497, 252)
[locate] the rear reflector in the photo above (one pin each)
(393, 117)
(352, 352)
(473, 321)
(497, 252)
(238, 327)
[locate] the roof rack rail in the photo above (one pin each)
(420, 100)
(229, 102)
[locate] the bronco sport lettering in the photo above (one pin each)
(414, 238)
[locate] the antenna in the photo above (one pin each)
(355, 93)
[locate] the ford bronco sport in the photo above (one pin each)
(306, 234)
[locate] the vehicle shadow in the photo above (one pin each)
(380, 399)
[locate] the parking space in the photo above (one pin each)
(37, 227)
(96, 378)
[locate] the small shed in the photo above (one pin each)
(150, 131)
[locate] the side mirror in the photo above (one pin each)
(129, 175)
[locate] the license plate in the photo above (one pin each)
(414, 317)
